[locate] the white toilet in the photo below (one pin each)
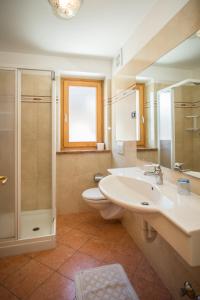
(94, 198)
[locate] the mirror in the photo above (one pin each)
(128, 114)
(172, 109)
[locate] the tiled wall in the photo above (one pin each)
(187, 143)
(148, 155)
(75, 171)
(74, 175)
(36, 142)
(168, 264)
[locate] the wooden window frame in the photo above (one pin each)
(65, 83)
(140, 87)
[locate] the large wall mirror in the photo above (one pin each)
(172, 109)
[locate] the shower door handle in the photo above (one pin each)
(3, 179)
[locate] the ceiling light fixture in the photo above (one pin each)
(66, 9)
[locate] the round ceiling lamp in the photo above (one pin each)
(66, 9)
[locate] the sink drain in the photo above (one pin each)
(145, 203)
(36, 228)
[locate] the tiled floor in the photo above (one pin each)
(83, 241)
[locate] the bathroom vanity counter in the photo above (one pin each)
(176, 217)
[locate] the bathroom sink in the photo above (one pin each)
(175, 217)
(134, 194)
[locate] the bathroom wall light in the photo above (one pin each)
(66, 9)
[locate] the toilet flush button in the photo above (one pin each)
(120, 147)
(145, 203)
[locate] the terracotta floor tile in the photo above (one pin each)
(60, 221)
(126, 246)
(62, 233)
(32, 254)
(74, 238)
(112, 232)
(147, 290)
(56, 287)
(88, 228)
(6, 295)
(99, 242)
(9, 265)
(96, 248)
(24, 281)
(56, 257)
(68, 220)
(94, 219)
(145, 271)
(129, 262)
(62, 229)
(79, 261)
(89, 217)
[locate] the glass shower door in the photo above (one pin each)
(37, 217)
(7, 153)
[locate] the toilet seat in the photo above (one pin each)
(93, 194)
(108, 210)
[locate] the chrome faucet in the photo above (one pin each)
(179, 167)
(157, 172)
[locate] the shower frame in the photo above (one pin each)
(15, 245)
(170, 88)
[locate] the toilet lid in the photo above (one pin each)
(94, 194)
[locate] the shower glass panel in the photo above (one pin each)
(36, 154)
(7, 154)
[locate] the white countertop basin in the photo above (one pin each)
(133, 193)
(176, 217)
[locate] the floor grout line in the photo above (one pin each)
(20, 267)
(78, 250)
(40, 285)
(11, 292)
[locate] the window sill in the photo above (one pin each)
(78, 151)
(146, 149)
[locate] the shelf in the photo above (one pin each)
(192, 129)
(79, 151)
(195, 123)
(194, 116)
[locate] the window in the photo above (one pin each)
(140, 111)
(82, 113)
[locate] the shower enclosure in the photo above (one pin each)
(179, 125)
(27, 160)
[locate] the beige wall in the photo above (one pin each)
(150, 155)
(74, 175)
(75, 171)
(168, 264)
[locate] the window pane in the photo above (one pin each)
(82, 114)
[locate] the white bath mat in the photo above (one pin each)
(108, 282)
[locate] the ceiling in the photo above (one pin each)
(184, 56)
(100, 29)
